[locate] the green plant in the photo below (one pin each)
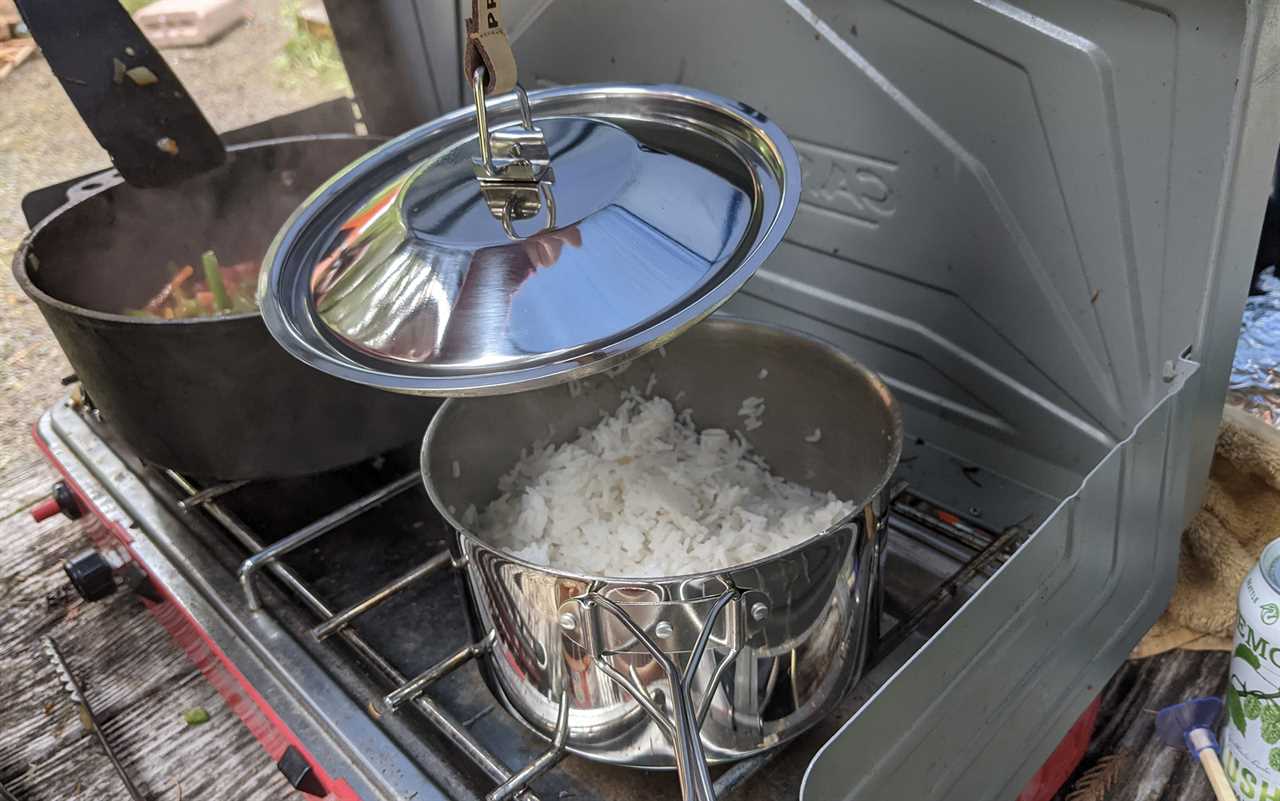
(132, 6)
(1235, 709)
(1270, 712)
(1244, 704)
(1252, 707)
(1243, 652)
(307, 58)
(1270, 731)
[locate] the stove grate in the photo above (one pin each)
(911, 515)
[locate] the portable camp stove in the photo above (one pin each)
(327, 612)
(1055, 297)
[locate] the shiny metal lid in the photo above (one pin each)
(662, 202)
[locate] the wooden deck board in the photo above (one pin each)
(135, 676)
(1126, 725)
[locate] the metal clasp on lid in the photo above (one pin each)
(514, 168)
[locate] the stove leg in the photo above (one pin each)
(297, 771)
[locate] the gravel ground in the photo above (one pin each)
(43, 141)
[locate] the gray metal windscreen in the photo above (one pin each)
(996, 214)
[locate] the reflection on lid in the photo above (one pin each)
(353, 239)
(632, 272)
(423, 273)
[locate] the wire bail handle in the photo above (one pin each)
(682, 724)
(514, 168)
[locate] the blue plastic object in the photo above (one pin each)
(1174, 724)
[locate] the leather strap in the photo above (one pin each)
(487, 45)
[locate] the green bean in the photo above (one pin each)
(213, 277)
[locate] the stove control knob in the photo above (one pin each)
(61, 500)
(90, 574)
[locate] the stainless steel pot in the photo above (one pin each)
(752, 655)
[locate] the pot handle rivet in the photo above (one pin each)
(663, 630)
(567, 621)
(759, 611)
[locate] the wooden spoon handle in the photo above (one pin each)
(1217, 776)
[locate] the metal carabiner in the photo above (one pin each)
(548, 202)
(514, 168)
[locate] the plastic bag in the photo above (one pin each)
(1255, 372)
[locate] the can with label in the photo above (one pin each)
(1251, 731)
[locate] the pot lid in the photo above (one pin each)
(410, 272)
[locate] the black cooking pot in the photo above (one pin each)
(211, 397)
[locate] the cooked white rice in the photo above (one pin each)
(644, 493)
(751, 410)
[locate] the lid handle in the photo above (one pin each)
(514, 168)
